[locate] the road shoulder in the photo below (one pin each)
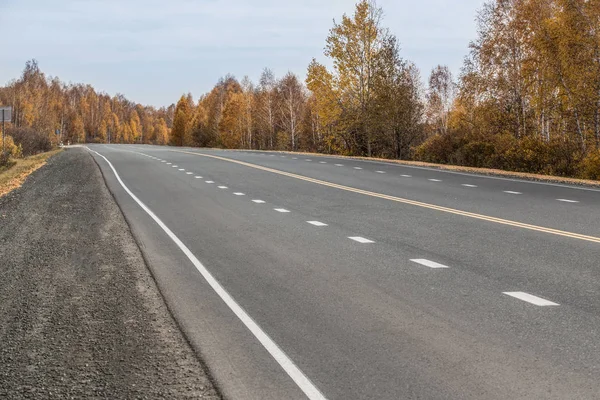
(80, 314)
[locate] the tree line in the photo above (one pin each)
(80, 114)
(527, 98)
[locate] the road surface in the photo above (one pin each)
(323, 277)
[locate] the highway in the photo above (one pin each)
(302, 276)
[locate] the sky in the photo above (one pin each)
(153, 51)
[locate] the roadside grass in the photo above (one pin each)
(13, 176)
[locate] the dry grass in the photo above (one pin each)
(12, 178)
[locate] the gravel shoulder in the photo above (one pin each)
(80, 314)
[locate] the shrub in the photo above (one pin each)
(589, 167)
(32, 142)
(12, 150)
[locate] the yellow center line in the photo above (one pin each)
(406, 201)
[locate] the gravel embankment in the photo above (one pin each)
(80, 315)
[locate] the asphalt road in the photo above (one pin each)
(334, 278)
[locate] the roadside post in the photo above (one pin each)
(5, 115)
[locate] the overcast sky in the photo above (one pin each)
(153, 51)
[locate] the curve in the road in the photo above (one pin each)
(502, 221)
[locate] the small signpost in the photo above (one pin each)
(5, 115)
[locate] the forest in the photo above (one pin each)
(527, 98)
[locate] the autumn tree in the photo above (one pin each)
(181, 123)
(291, 106)
(440, 96)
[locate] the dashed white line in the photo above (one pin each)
(258, 201)
(294, 158)
(434, 180)
(511, 192)
(357, 168)
(316, 223)
(222, 187)
(198, 177)
(469, 185)
(169, 163)
(281, 210)
(189, 173)
(529, 298)
(380, 172)
(360, 239)
(567, 201)
(322, 162)
(182, 169)
(163, 161)
(288, 365)
(428, 263)
(406, 176)
(339, 165)
(175, 166)
(210, 182)
(307, 160)
(239, 194)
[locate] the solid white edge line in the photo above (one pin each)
(428, 263)
(529, 298)
(303, 382)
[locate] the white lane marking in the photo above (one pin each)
(239, 194)
(282, 156)
(511, 192)
(281, 210)
(163, 161)
(258, 201)
(210, 182)
(434, 180)
(303, 382)
(357, 168)
(198, 177)
(567, 201)
(428, 263)
(168, 163)
(189, 173)
(222, 187)
(182, 169)
(406, 176)
(316, 223)
(294, 158)
(322, 162)
(360, 239)
(468, 185)
(307, 160)
(271, 155)
(175, 166)
(339, 165)
(380, 172)
(538, 301)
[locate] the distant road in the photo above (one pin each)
(311, 276)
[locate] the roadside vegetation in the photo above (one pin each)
(25, 151)
(527, 98)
